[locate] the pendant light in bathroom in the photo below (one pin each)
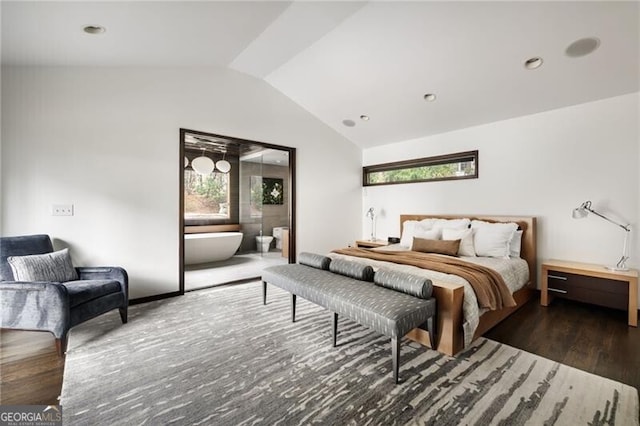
(203, 165)
(223, 165)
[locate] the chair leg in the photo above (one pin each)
(123, 314)
(335, 329)
(293, 307)
(61, 345)
(395, 357)
(264, 292)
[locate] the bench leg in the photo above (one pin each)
(264, 292)
(395, 357)
(432, 332)
(335, 329)
(293, 307)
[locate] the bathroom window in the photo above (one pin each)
(206, 197)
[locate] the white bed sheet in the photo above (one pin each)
(514, 271)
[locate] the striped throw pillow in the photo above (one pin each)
(49, 267)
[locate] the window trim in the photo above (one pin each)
(422, 162)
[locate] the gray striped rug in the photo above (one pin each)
(219, 357)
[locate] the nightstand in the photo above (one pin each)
(371, 244)
(590, 283)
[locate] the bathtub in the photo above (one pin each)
(210, 247)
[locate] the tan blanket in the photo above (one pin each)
(490, 288)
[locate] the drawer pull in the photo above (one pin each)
(557, 290)
(557, 277)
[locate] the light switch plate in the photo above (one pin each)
(62, 210)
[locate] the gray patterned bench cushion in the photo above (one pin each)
(351, 269)
(314, 260)
(413, 285)
(389, 312)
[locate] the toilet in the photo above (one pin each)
(263, 243)
(277, 234)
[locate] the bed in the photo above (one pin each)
(457, 323)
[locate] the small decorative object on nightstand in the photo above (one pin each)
(371, 244)
(590, 283)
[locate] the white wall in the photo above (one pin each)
(541, 165)
(107, 140)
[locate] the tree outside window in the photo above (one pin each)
(206, 196)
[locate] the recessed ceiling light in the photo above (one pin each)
(582, 47)
(364, 117)
(533, 63)
(430, 97)
(349, 123)
(94, 29)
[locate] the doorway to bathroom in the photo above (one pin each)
(237, 208)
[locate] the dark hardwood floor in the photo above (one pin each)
(587, 337)
(30, 368)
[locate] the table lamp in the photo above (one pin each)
(371, 214)
(582, 212)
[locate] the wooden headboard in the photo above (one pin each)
(527, 225)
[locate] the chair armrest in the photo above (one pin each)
(21, 286)
(105, 273)
(34, 306)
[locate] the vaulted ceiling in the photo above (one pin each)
(342, 60)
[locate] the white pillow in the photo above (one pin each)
(493, 239)
(516, 241)
(478, 223)
(466, 240)
(427, 234)
(452, 223)
(407, 233)
(413, 228)
(427, 223)
(515, 244)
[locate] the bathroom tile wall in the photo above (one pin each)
(272, 214)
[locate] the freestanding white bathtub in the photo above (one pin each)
(210, 247)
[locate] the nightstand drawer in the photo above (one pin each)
(599, 291)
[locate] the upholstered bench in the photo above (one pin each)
(391, 303)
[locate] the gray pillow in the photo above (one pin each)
(413, 285)
(351, 269)
(314, 260)
(51, 267)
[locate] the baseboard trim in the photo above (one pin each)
(154, 297)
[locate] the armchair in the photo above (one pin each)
(56, 306)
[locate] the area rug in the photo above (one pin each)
(220, 357)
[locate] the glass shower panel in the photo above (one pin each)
(265, 209)
(251, 204)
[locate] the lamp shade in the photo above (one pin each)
(370, 213)
(582, 211)
(579, 213)
(202, 165)
(223, 165)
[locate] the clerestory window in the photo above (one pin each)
(462, 165)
